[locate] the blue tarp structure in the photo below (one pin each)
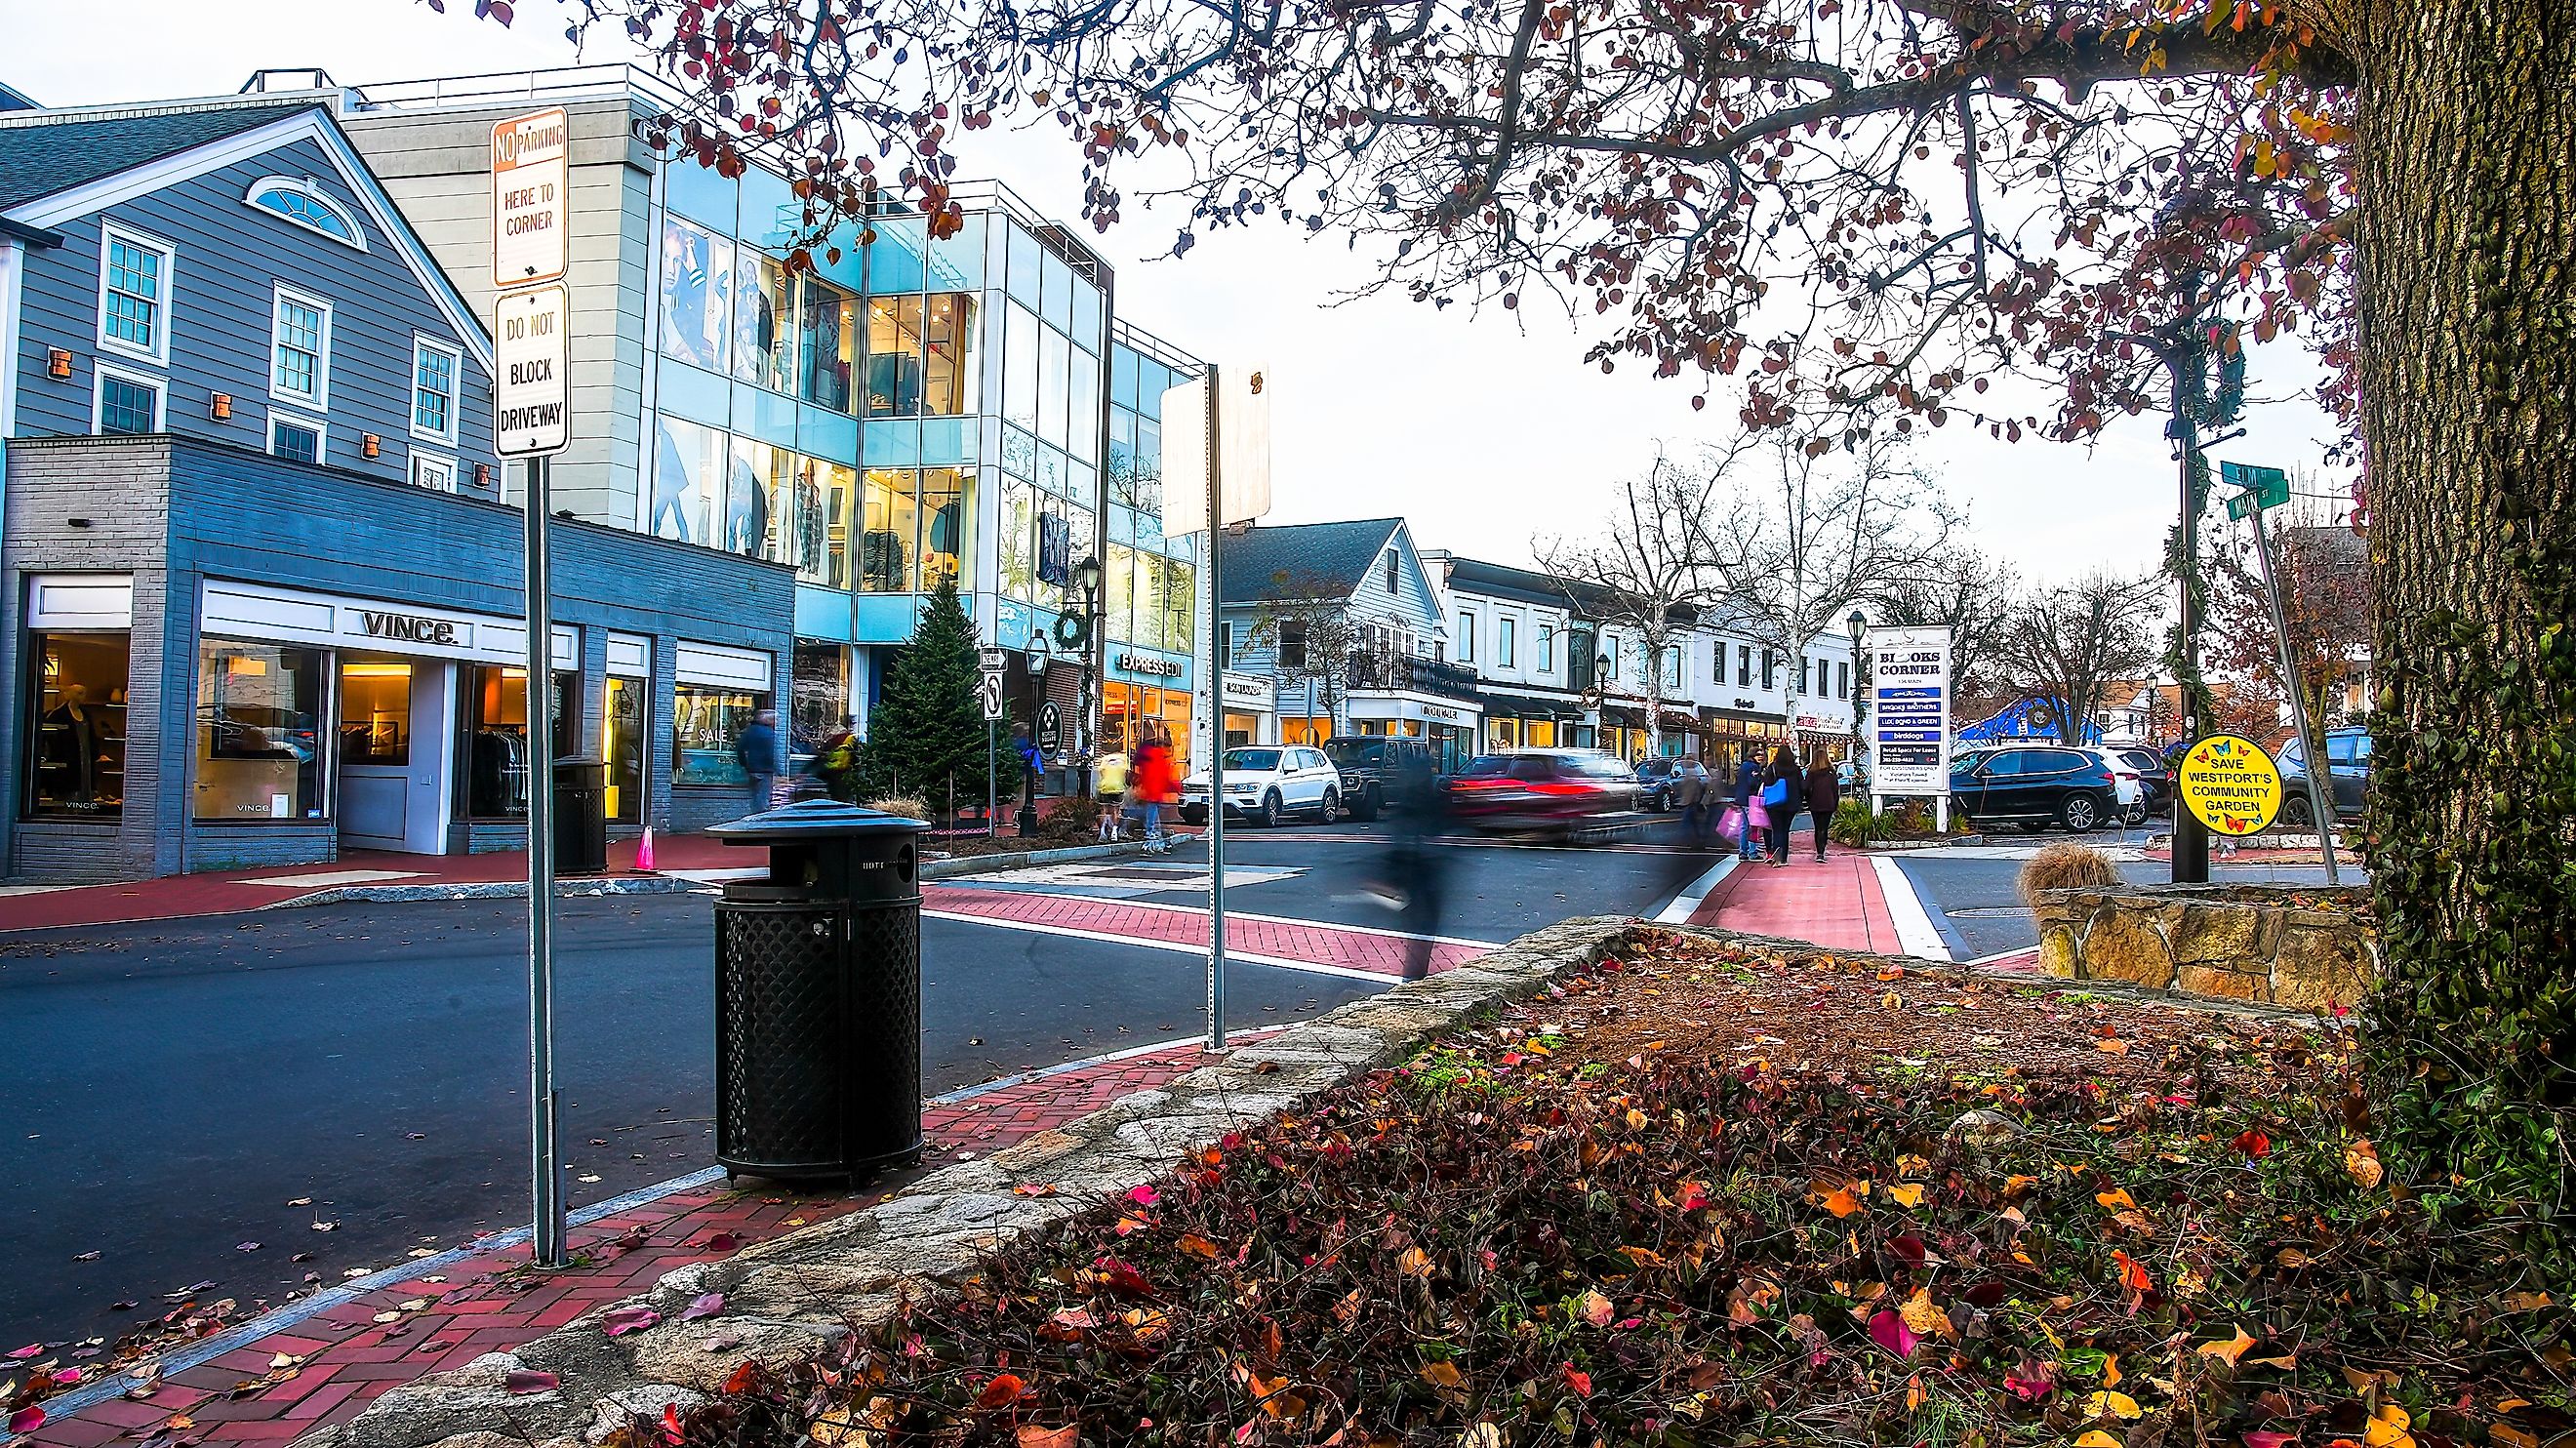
(2029, 717)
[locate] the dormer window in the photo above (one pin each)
(303, 203)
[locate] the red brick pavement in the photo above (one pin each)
(1308, 942)
(345, 1358)
(1836, 904)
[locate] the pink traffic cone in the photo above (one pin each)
(644, 851)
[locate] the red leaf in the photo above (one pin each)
(528, 1380)
(1144, 1196)
(706, 1305)
(720, 1242)
(2253, 1143)
(671, 1423)
(739, 1380)
(1890, 1332)
(2270, 1440)
(1033, 1436)
(1004, 1390)
(1579, 1381)
(629, 1319)
(26, 1420)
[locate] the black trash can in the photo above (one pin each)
(581, 817)
(818, 995)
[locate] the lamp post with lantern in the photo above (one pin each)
(1038, 656)
(1857, 623)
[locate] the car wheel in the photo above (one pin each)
(1268, 819)
(2081, 814)
(1331, 809)
(1194, 817)
(1370, 806)
(2298, 813)
(2137, 814)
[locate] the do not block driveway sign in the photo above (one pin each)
(531, 398)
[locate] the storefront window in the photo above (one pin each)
(826, 338)
(1020, 367)
(1018, 541)
(949, 380)
(375, 712)
(688, 468)
(894, 357)
(760, 502)
(76, 726)
(1178, 603)
(1175, 707)
(496, 737)
(259, 741)
(1053, 380)
(818, 694)
(623, 731)
(839, 487)
(697, 278)
(887, 530)
(947, 523)
(1118, 590)
(764, 296)
(705, 723)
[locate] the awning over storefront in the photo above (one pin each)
(1531, 706)
(1450, 714)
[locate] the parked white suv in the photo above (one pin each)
(2127, 783)
(1266, 782)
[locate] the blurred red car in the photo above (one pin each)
(1553, 790)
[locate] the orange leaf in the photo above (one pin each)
(1841, 1202)
(1442, 1375)
(2133, 1276)
(1004, 1390)
(1197, 1246)
(2231, 1350)
(1033, 1436)
(739, 1380)
(2116, 1199)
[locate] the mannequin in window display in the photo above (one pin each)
(692, 306)
(809, 520)
(671, 491)
(76, 733)
(746, 509)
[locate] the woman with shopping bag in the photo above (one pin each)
(1782, 784)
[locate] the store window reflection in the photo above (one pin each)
(760, 510)
(764, 302)
(697, 282)
(259, 741)
(1018, 541)
(688, 471)
(894, 357)
(624, 729)
(705, 723)
(949, 363)
(75, 731)
(496, 737)
(375, 713)
(825, 337)
(947, 523)
(889, 518)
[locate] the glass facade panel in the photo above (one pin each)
(624, 732)
(948, 388)
(760, 516)
(1118, 593)
(948, 526)
(259, 741)
(1082, 391)
(894, 357)
(1086, 315)
(1054, 378)
(948, 441)
(1057, 294)
(75, 729)
(688, 464)
(1153, 379)
(888, 530)
(1051, 471)
(375, 712)
(1020, 367)
(704, 725)
(770, 213)
(1019, 453)
(1022, 276)
(764, 304)
(698, 191)
(827, 323)
(957, 260)
(697, 281)
(838, 490)
(894, 262)
(1122, 377)
(1018, 546)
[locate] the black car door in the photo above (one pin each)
(1987, 791)
(2045, 774)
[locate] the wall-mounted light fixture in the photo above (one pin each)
(220, 407)
(370, 445)
(482, 475)
(58, 363)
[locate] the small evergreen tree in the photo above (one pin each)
(926, 736)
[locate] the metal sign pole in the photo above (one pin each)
(546, 1243)
(1216, 734)
(2317, 806)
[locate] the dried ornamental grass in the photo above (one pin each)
(2066, 865)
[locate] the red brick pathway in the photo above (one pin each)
(1836, 904)
(1307, 942)
(344, 1358)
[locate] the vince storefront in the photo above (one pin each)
(222, 688)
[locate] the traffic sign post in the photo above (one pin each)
(2264, 488)
(531, 419)
(2270, 488)
(988, 691)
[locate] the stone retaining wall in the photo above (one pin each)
(788, 1298)
(2307, 949)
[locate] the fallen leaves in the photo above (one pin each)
(521, 1382)
(2361, 1163)
(2230, 1350)
(623, 1320)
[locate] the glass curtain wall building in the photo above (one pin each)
(1149, 582)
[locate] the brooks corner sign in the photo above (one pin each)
(530, 398)
(529, 183)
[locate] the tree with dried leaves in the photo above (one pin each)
(1304, 622)
(2322, 568)
(2066, 643)
(1966, 592)
(1646, 572)
(1905, 200)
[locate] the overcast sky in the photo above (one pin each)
(1484, 432)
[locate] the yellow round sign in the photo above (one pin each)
(2230, 783)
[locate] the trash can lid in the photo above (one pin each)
(813, 819)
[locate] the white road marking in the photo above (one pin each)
(1181, 947)
(1233, 914)
(1915, 934)
(334, 877)
(1687, 903)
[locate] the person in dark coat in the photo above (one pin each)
(1692, 794)
(763, 757)
(1748, 779)
(1824, 796)
(1784, 771)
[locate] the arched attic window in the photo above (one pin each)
(304, 203)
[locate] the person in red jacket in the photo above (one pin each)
(1155, 781)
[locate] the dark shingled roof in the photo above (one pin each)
(1504, 581)
(1333, 554)
(39, 158)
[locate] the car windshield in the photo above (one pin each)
(1352, 751)
(1487, 766)
(1256, 759)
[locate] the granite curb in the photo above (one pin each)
(788, 1298)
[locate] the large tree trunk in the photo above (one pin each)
(2467, 256)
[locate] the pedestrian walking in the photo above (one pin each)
(836, 760)
(1693, 796)
(1824, 796)
(761, 754)
(1152, 783)
(1748, 788)
(1416, 869)
(1782, 785)
(1110, 778)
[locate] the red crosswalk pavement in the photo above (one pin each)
(1305, 942)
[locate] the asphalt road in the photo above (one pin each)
(172, 1087)
(1975, 905)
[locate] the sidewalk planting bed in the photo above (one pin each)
(1718, 1191)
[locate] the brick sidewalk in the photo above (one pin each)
(1309, 943)
(344, 1357)
(1837, 904)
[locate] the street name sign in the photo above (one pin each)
(531, 398)
(2264, 488)
(1909, 704)
(2229, 783)
(530, 200)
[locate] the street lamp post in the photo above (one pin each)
(1038, 656)
(1856, 623)
(1095, 647)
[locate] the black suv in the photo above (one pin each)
(2034, 786)
(1380, 771)
(2347, 777)
(2155, 777)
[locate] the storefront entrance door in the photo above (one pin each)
(393, 754)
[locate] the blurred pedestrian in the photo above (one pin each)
(1416, 867)
(1782, 786)
(1110, 779)
(836, 761)
(1824, 796)
(762, 755)
(1748, 788)
(1154, 781)
(1692, 794)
